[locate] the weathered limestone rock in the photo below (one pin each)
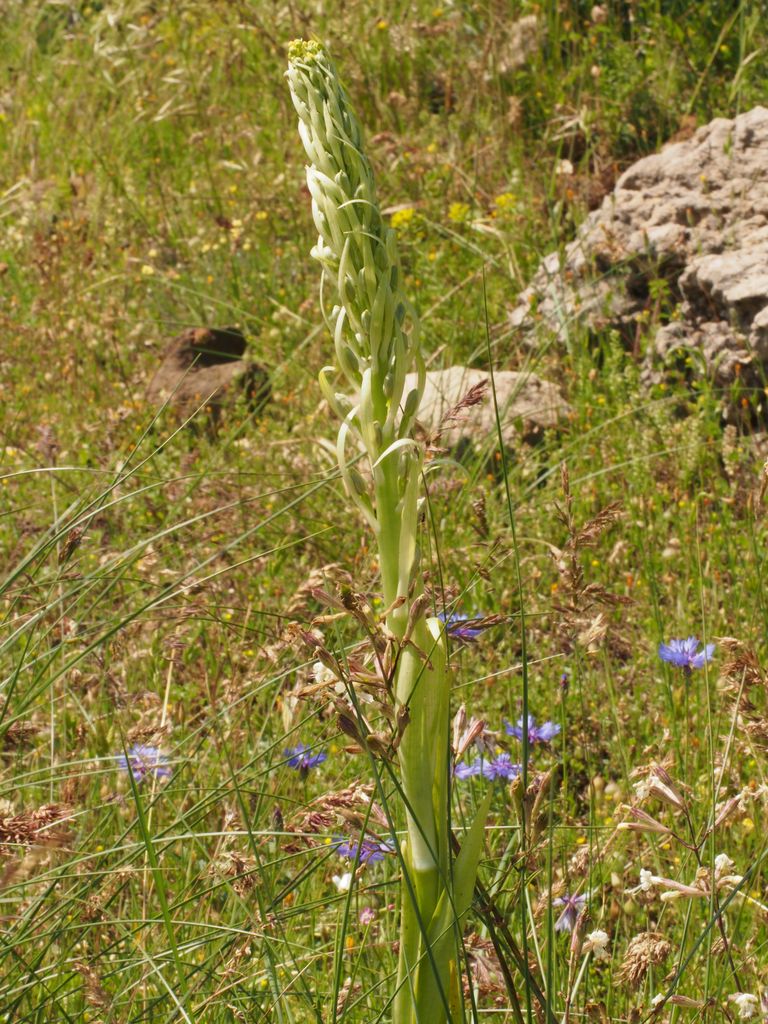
(528, 405)
(691, 220)
(205, 366)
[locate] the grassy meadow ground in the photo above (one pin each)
(154, 575)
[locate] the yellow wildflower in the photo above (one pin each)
(401, 218)
(458, 212)
(506, 201)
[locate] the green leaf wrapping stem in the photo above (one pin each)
(376, 340)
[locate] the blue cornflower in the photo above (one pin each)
(536, 733)
(501, 767)
(572, 906)
(299, 757)
(685, 654)
(142, 760)
(371, 850)
(461, 627)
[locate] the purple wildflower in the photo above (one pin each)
(572, 906)
(500, 767)
(685, 654)
(461, 627)
(142, 760)
(536, 733)
(370, 850)
(367, 916)
(300, 758)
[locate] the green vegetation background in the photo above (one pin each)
(151, 179)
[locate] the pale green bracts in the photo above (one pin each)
(376, 339)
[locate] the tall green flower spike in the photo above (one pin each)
(376, 339)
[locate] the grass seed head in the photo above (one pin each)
(645, 950)
(41, 827)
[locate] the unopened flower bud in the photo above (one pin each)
(357, 481)
(351, 365)
(411, 404)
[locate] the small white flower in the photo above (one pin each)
(746, 1004)
(647, 881)
(723, 865)
(322, 673)
(643, 787)
(657, 1000)
(597, 944)
(343, 882)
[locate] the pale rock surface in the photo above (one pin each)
(527, 404)
(694, 216)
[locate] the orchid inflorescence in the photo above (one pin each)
(375, 330)
(375, 389)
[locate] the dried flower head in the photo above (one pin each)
(41, 827)
(93, 989)
(723, 865)
(337, 810)
(242, 871)
(486, 972)
(347, 992)
(473, 396)
(655, 782)
(642, 822)
(660, 1000)
(472, 732)
(646, 950)
(743, 679)
(579, 618)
